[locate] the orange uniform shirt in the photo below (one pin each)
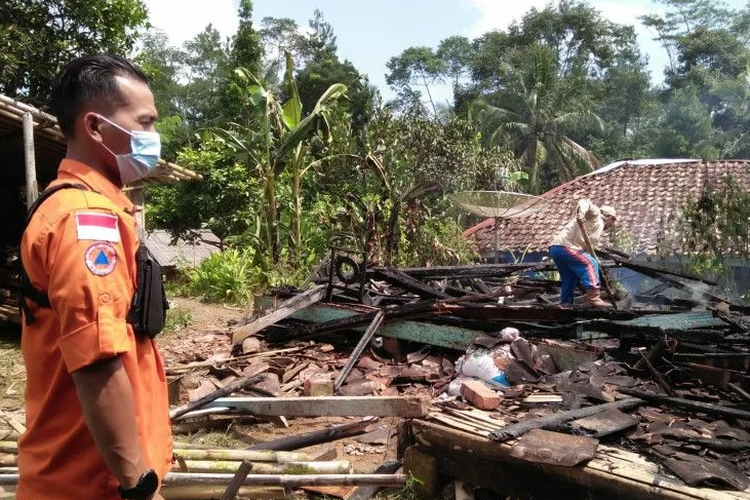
(80, 248)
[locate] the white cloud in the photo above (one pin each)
(183, 19)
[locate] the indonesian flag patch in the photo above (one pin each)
(101, 258)
(97, 227)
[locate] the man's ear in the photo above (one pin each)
(91, 124)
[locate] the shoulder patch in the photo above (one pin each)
(101, 258)
(97, 226)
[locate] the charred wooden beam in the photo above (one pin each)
(402, 280)
(327, 435)
(711, 409)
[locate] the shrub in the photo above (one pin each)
(230, 277)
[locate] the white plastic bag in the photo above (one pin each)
(480, 363)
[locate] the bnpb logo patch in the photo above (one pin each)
(101, 258)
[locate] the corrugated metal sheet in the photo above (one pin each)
(181, 253)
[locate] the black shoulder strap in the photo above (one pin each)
(26, 289)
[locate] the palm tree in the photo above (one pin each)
(536, 114)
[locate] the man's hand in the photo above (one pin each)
(157, 496)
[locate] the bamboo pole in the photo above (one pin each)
(286, 480)
(289, 480)
(9, 447)
(331, 467)
(32, 189)
(252, 455)
(8, 460)
(211, 492)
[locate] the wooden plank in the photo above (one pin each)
(554, 448)
(354, 406)
(622, 473)
(286, 309)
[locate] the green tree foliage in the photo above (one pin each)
(712, 229)
(535, 117)
(416, 67)
(225, 201)
(37, 37)
(685, 130)
(707, 45)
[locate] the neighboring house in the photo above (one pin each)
(648, 196)
(172, 254)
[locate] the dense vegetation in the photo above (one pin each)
(298, 151)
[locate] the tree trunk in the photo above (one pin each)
(531, 162)
(297, 224)
(393, 233)
(272, 216)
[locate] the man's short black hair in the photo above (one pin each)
(89, 79)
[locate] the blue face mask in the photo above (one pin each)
(145, 149)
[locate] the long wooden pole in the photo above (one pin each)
(591, 250)
(32, 189)
(323, 406)
(316, 437)
(514, 431)
(363, 342)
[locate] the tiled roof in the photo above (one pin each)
(181, 252)
(646, 195)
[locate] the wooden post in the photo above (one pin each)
(32, 189)
(140, 209)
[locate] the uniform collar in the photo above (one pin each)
(94, 180)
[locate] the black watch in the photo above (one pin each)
(147, 485)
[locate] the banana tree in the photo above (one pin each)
(286, 138)
(399, 197)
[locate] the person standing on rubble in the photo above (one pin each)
(97, 411)
(573, 262)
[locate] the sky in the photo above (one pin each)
(370, 32)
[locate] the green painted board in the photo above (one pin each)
(451, 337)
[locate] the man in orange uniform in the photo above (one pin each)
(96, 398)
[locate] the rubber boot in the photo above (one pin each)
(594, 299)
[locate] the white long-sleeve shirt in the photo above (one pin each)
(570, 236)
